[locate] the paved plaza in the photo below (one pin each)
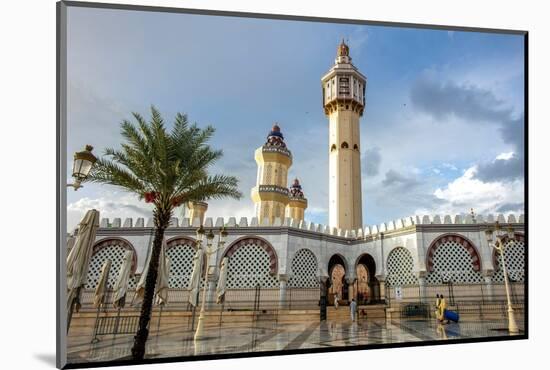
(178, 341)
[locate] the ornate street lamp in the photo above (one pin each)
(82, 165)
(499, 246)
(208, 251)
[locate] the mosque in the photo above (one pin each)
(278, 251)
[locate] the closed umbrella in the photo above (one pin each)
(196, 277)
(121, 285)
(161, 286)
(100, 292)
(79, 259)
(222, 281)
(163, 281)
(101, 288)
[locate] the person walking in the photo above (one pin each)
(353, 309)
(336, 300)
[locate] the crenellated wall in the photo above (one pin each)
(285, 237)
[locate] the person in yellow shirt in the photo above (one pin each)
(442, 308)
(437, 303)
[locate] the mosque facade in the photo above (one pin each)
(279, 250)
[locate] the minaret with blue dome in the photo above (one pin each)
(270, 194)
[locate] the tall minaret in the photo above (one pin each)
(344, 101)
(270, 194)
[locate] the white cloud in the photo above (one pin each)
(505, 156)
(110, 206)
(468, 192)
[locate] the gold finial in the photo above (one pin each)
(343, 49)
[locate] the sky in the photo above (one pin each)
(442, 131)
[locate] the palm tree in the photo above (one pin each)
(167, 169)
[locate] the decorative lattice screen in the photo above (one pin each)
(249, 266)
(181, 265)
(452, 262)
(514, 257)
(400, 268)
(304, 270)
(116, 254)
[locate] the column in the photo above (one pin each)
(351, 288)
(488, 280)
(323, 299)
(421, 275)
(211, 291)
(382, 281)
(283, 282)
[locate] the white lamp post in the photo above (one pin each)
(82, 165)
(499, 246)
(199, 333)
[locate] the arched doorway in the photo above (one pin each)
(367, 286)
(337, 284)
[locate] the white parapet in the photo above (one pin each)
(104, 222)
(512, 219)
(374, 230)
(150, 222)
(479, 219)
(128, 222)
(208, 222)
(501, 218)
(490, 219)
(277, 222)
(220, 222)
(458, 219)
(409, 221)
(360, 234)
(311, 226)
(243, 222)
(468, 219)
(399, 224)
(521, 219)
(116, 222)
(382, 227)
(140, 222)
(426, 220)
(254, 222)
(173, 222)
(232, 222)
(436, 220)
(390, 226)
(366, 230)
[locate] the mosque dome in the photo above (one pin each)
(275, 137)
(276, 131)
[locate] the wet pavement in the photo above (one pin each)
(178, 341)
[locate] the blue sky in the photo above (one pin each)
(442, 130)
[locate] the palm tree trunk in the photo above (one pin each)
(162, 220)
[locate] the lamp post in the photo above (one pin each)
(499, 246)
(208, 251)
(82, 165)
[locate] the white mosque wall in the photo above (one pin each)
(288, 236)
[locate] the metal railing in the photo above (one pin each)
(454, 293)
